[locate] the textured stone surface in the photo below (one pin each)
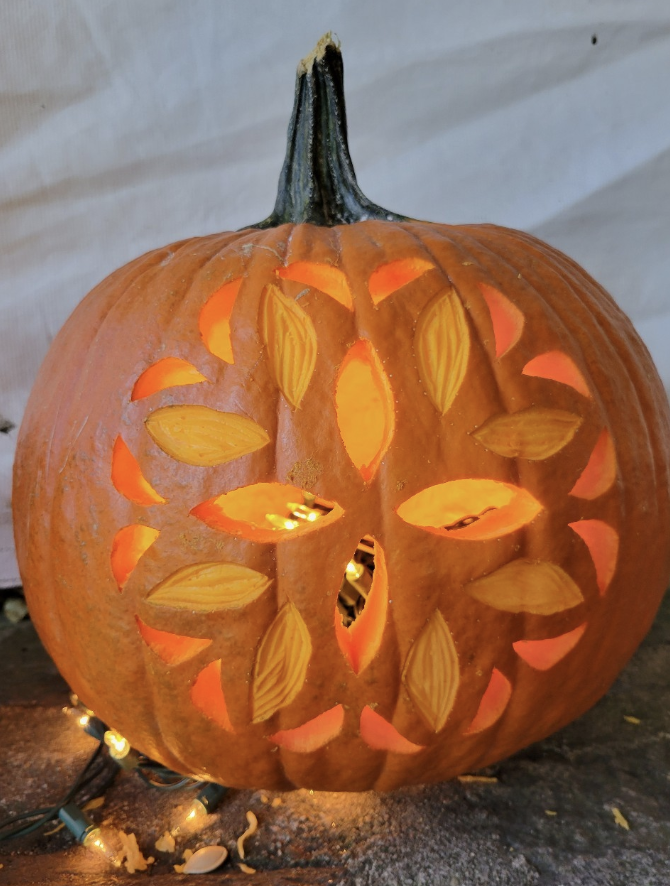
(452, 834)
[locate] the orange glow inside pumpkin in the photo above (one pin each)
(313, 734)
(388, 278)
(360, 641)
(128, 478)
(470, 509)
(380, 735)
(557, 366)
(320, 276)
(244, 512)
(173, 649)
(129, 544)
(493, 703)
(506, 318)
(600, 471)
(207, 695)
(364, 406)
(544, 654)
(167, 373)
(602, 540)
(214, 322)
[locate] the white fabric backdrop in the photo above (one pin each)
(127, 124)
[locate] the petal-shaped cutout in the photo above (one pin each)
(506, 318)
(534, 433)
(600, 471)
(129, 544)
(365, 409)
(208, 587)
(470, 509)
(207, 696)
(320, 276)
(380, 735)
(602, 540)
(290, 338)
(360, 642)
(388, 278)
(173, 649)
(557, 366)
(281, 664)
(214, 321)
(442, 345)
(544, 654)
(170, 372)
(313, 734)
(198, 435)
(534, 586)
(431, 672)
(128, 478)
(493, 703)
(244, 512)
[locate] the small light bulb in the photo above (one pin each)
(207, 800)
(83, 720)
(94, 842)
(354, 570)
(119, 747)
(279, 522)
(85, 832)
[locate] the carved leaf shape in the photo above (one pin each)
(206, 587)
(431, 672)
(534, 433)
(198, 435)
(290, 338)
(281, 664)
(442, 345)
(523, 585)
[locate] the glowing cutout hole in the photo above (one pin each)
(362, 604)
(173, 649)
(600, 471)
(129, 545)
(167, 373)
(267, 512)
(207, 696)
(602, 540)
(214, 321)
(506, 318)
(128, 479)
(313, 734)
(493, 703)
(320, 276)
(364, 407)
(380, 735)
(388, 278)
(544, 654)
(557, 366)
(470, 509)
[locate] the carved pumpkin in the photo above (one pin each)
(343, 500)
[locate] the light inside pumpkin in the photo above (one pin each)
(320, 276)
(262, 512)
(493, 703)
(388, 278)
(167, 373)
(380, 735)
(470, 509)
(171, 648)
(207, 695)
(128, 478)
(360, 612)
(364, 406)
(506, 318)
(129, 544)
(214, 321)
(557, 366)
(313, 734)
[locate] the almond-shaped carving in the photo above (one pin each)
(534, 433)
(198, 435)
(442, 345)
(281, 664)
(431, 672)
(290, 338)
(534, 586)
(207, 587)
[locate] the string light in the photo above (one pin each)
(87, 833)
(205, 802)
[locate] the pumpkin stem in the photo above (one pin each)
(317, 184)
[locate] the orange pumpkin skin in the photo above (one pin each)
(450, 674)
